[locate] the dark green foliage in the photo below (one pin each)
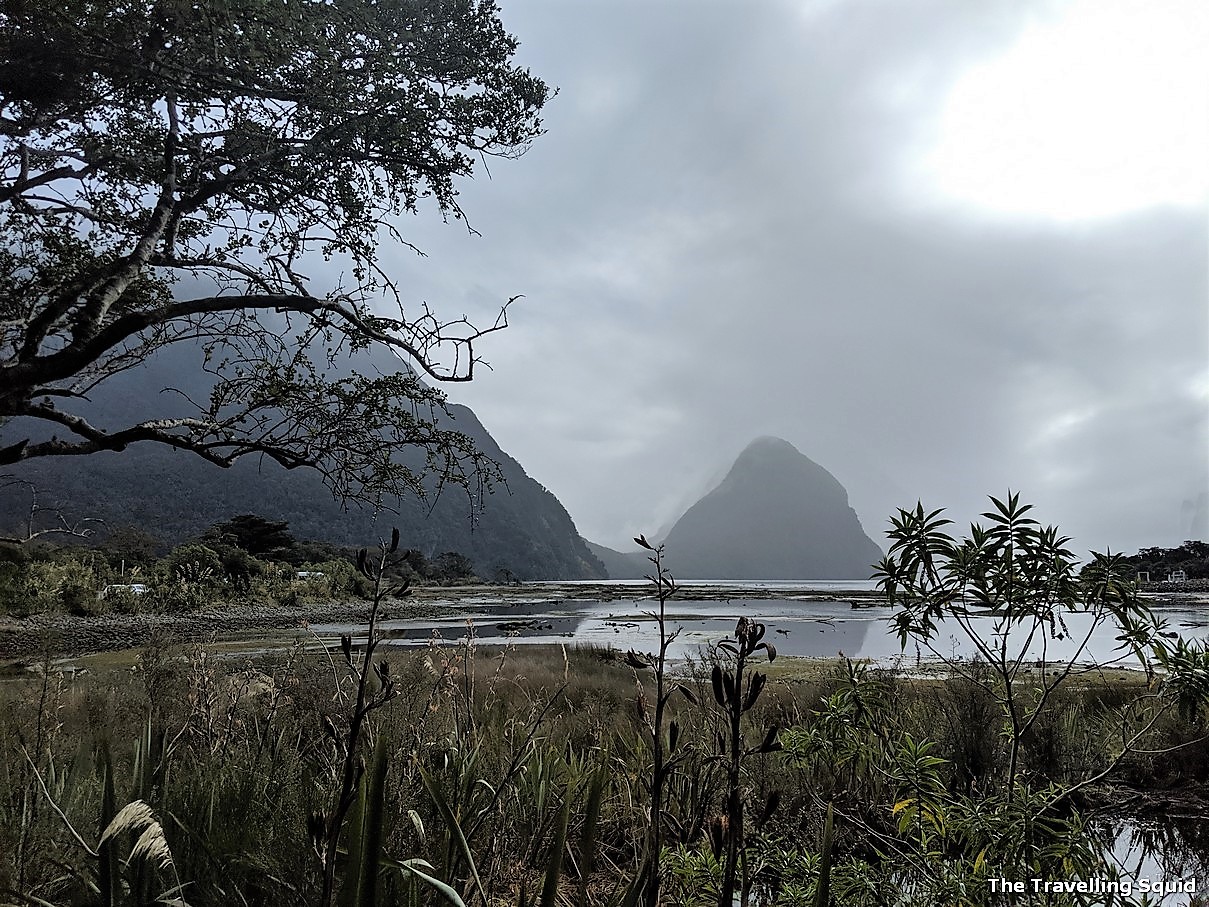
(452, 567)
(520, 777)
(107, 873)
(520, 526)
(130, 547)
(415, 562)
(1026, 578)
(447, 568)
(822, 895)
(1006, 801)
(237, 565)
(54, 579)
(204, 573)
(554, 862)
(1192, 557)
(255, 535)
(11, 592)
(241, 773)
(192, 561)
(203, 156)
(365, 832)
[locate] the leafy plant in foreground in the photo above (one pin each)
(736, 693)
(664, 756)
(149, 854)
(1014, 593)
(357, 813)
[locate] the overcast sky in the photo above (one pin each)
(944, 248)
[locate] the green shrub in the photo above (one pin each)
(14, 598)
(191, 562)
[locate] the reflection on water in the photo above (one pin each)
(813, 585)
(819, 627)
(1168, 852)
(804, 627)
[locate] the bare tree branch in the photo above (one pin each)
(147, 152)
(32, 528)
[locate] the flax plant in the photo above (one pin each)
(736, 692)
(664, 755)
(327, 826)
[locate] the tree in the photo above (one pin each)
(452, 566)
(1022, 577)
(254, 534)
(1192, 557)
(173, 170)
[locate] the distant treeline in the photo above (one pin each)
(1192, 557)
(247, 559)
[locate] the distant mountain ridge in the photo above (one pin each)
(776, 515)
(621, 564)
(522, 529)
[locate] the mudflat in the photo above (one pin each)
(35, 636)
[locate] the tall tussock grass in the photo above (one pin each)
(561, 777)
(506, 776)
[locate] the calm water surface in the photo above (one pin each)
(798, 626)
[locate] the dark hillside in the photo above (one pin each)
(521, 528)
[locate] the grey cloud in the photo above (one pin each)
(716, 242)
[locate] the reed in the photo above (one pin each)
(493, 777)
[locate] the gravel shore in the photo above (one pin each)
(66, 634)
(70, 635)
(29, 638)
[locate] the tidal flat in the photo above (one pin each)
(432, 607)
(809, 620)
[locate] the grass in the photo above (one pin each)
(230, 753)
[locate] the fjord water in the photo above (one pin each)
(816, 620)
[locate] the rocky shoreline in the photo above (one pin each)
(30, 638)
(60, 634)
(69, 635)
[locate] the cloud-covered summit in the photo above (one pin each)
(776, 515)
(735, 226)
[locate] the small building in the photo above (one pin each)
(1177, 576)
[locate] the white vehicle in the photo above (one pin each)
(129, 588)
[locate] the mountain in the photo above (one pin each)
(522, 527)
(776, 515)
(621, 564)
